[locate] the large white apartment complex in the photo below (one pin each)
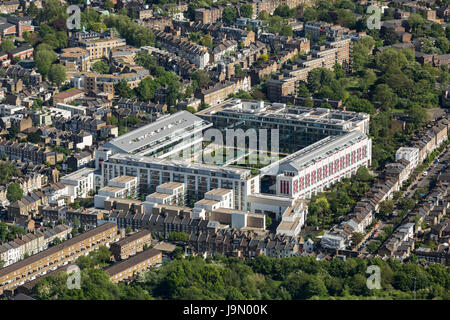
(199, 178)
(316, 167)
(168, 136)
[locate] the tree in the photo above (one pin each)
(14, 192)
(7, 45)
(284, 11)
(178, 236)
(418, 114)
(101, 67)
(415, 22)
(361, 51)
(56, 241)
(229, 15)
(308, 102)
(286, 31)
(268, 221)
(129, 230)
(406, 204)
(122, 89)
(316, 287)
(360, 105)
(386, 208)
(201, 79)
(338, 71)
(363, 175)
(309, 14)
(76, 222)
(384, 96)
(57, 74)
(33, 137)
(7, 171)
(44, 59)
(357, 237)
(442, 44)
(146, 89)
(246, 11)
(32, 10)
(303, 90)
(108, 4)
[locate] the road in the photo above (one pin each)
(438, 165)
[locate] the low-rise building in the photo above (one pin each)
(131, 245)
(127, 269)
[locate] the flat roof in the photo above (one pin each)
(207, 202)
(150, 162)
(123, 179)
(78, 174)
(159, 195)
(171, 185)
(219, 191)
(176, 125)
(314, 152)
(111, 189)
(289, 113)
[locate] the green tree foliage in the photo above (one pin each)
(14, 192)
(309, 14)
(52, 11)
(285, 12)
(246, 10)
(360, 105)
(123, 90)
(135, 34)
(44, 59)
(108, 4)
(101, 67)
(200, 79)
(361, 52)
(229, 15)
(162, 78)
(260, 278)
(7, 45)
(386, 208)
(178, 236)
(325, 208)
(385, 96)
(53, 38)
(9, 232)
(57, 74)
(286, 31)
(7, 171)
(33, 137)
(323, 84)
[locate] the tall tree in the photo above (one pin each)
(57, 74)
(14, 192)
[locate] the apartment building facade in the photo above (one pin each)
(130, 268)
(23, 271)
(131, 245)
(199, 178)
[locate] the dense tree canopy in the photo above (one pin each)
(259, 278)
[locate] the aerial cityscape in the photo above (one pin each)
(224, 150)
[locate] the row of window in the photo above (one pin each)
(324, 171)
